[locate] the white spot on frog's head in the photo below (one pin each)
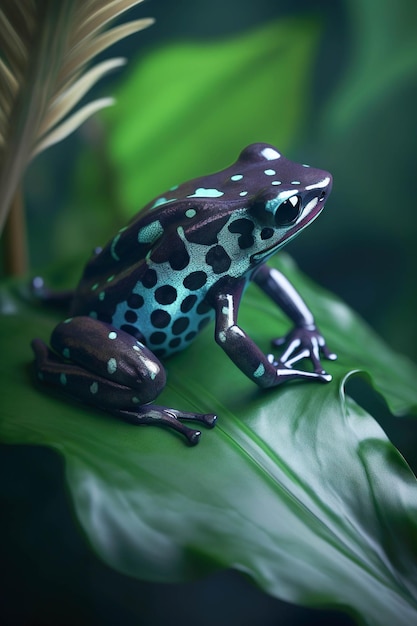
(112, 335)
(270, 154)
(190, 213)
(295, 182)
(270, 172)
(243, 193)
(236, 177)
(201, 192)
(158, 202)
(276, 182)
(319, 185)
(94, 388)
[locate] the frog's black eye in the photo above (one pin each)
(288, 211)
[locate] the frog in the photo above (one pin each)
(183, 262)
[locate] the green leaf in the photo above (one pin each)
(298, 487)
(384, 57)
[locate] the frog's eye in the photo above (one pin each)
(288, 211)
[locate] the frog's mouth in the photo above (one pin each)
(309, 214)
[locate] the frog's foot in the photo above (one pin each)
(285, 372)
(305, 343)
(163, 416)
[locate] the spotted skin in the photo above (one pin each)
(183, 261)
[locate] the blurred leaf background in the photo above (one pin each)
(350, 79)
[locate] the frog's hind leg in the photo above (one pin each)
(108, 368)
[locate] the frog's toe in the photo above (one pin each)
(331, 356)
(324, 377)
(209, 419)
(192, 436)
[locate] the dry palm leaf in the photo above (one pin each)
(45, 47)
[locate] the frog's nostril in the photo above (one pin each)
(322, 196)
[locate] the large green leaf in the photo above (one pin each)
(298, 486)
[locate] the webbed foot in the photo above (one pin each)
(305, 343)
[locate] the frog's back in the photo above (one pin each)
(154, 277)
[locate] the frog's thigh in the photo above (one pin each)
(110, 362)
(121, 381)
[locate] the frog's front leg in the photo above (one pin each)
(110, 369)
(262, 369)
(304, 340)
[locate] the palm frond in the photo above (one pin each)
(45, 48)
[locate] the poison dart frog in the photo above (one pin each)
(183, 261)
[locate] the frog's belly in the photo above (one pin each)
(166, 327)
(167, 307)
(165, 304)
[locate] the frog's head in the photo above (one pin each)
(290, 196)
